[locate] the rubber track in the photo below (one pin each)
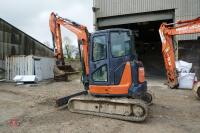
(196, 89)
(112, 100)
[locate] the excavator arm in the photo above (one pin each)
(80, 31)
(167, 31)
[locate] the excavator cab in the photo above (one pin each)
(114, 69)
(109, 52)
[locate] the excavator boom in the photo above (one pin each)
(80, 31)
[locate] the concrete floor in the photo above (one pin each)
(175, 111)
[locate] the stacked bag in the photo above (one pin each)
(185, 77)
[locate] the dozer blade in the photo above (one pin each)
(117, 108)
(64, 100)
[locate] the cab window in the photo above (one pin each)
(99, 48)
(120, 43)
(101, 75)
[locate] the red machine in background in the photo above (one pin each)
(167, 31)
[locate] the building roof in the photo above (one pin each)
(25, 34)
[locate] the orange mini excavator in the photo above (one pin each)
(167, 31)
(113, 79)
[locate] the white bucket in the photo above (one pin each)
(186, 80)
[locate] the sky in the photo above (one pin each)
(32, 16)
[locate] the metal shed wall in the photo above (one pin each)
(183, 9)
(135, 18)
(42, 67)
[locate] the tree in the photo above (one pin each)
(77, 55)
(70, 49)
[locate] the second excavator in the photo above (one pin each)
(113, 79)
(167, 31)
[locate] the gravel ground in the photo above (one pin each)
(173, 111)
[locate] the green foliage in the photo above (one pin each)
(71, 51)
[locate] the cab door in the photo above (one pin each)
(99, 62)
(120, 53)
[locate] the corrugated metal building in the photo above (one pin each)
(144, 18)
(15, 42)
